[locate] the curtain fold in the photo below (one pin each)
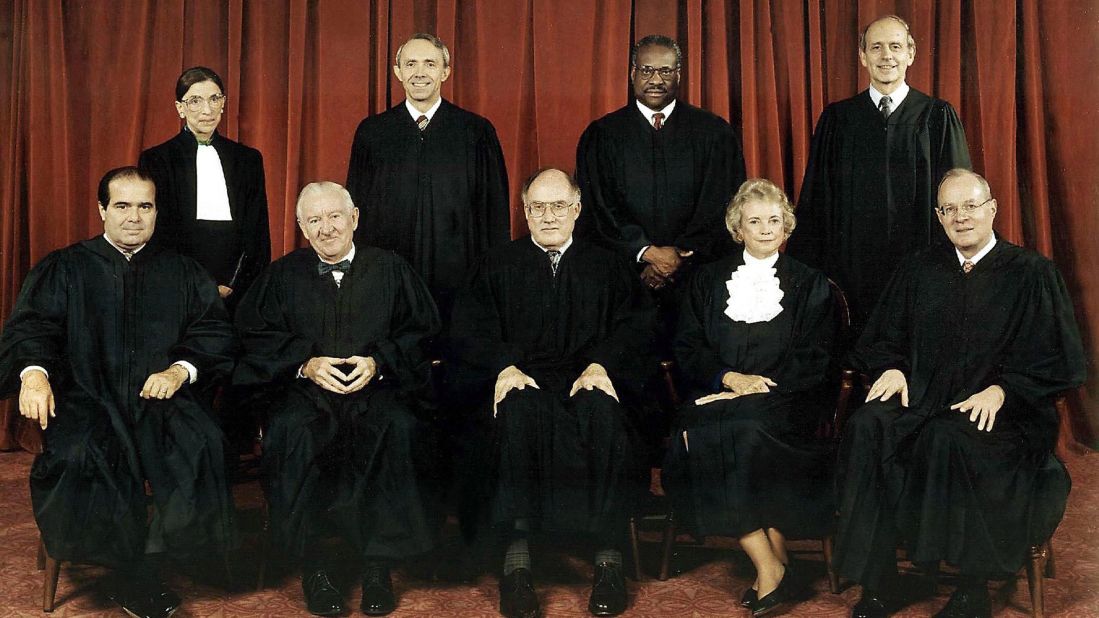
(85, 86)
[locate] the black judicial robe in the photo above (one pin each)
(567, 463)
(754, 462)
(870, 190)
(977, 499)
(438, 198)
(233, 252)
(353, 464)
(669, 187)
(101, 326)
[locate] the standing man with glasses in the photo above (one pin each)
(558, 330)
(869, 191)
(429, 176)
(969, 345)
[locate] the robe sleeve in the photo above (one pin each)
(603, 198)
(158, 164)
(699, 362)
(950, 148)
(208, 341)
(1046, 355)
(816, 201)
(256, 236)
(358, 167)
(490, 199)
(806, 364)
(272, 351)
(723, 174)
(626, 350)
(414, 319)
(35, 332)
(476, 339)
(884, 342)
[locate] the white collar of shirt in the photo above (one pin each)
(753, 262)
(980, 254)
(126, 254)
(896, 98)
(415, 113)
(211, 192)
(562, 249)
(338, 274)
(648, 112)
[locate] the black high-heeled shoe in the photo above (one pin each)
(749, 597)
(783, 596)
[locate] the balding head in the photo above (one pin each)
(551, 200)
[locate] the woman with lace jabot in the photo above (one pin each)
(753, 344)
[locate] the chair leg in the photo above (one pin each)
(635, 549)
(1034, 566)
(264, 548)
(1051, 570)
(41, 562)
(49, 583)
(828, 543)
(668, 543)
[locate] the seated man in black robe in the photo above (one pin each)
(104, 344)
(558, 329)
(337, 329)
(968, 347)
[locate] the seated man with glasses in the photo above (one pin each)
(558, 330)
(968, 346)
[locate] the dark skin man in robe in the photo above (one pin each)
(429, 176)
(106, 344)
(968, 347)
(868, 197)
(558, 329)
(338, 329)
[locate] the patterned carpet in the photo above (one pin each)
(709, 581)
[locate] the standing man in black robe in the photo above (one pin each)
(105, 342)
(869, 191)
(429, 176)
(559, 329)
(656, 176)
(968, 346)
(338, 329)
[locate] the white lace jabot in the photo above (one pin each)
(754, 293)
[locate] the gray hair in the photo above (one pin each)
(573, 186)
(430, 38)
(316, 189)
(896, 18)
(961, 172)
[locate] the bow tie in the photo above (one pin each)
(324, 267)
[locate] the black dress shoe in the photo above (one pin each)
(608, 590)
(378, 599)
(517, 597)
(133, 601)
(144, 598)
(163, 600)
(321, 596)
(869, 606)
(749, 597)
(783, 596)
(968, 603)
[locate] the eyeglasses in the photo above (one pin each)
(194, 104)
(538, 209)
(951, 211)
(647, 72)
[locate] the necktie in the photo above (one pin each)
(967, 266)
(422, 122)
(324, 267)
(555, 259)
(885, 106)
(658, 121)
(129, 255)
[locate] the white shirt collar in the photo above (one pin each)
(648, 112)
(980, 254)
(563, 248)
(350, 257)
(120, 249)
(896, 98)
(415, 113)
(767, 262)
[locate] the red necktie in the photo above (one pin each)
(967, 266)
(658, 121)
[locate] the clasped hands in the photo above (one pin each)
(594, 376)
(737, 384)
(325, 373)
(982, 407)
(662, 264)
(37, 403)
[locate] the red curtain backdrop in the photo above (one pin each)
(86, 85)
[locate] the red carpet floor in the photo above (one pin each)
(709, 581)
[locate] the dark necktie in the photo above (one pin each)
(967, 266)
(422, 122)
(555, 259)
(658, 121)
(885, 106)
(324, 267)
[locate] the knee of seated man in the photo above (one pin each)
(872, 416)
